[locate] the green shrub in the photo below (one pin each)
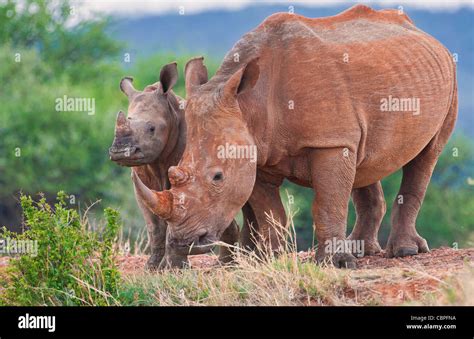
(73, 265)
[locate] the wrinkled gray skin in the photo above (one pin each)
(150, 141)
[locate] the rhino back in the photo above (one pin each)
(325, 81)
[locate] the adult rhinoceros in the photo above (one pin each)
(335, 104)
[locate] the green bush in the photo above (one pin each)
(73, 265)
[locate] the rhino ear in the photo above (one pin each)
(127, 87)
(195, 74)
(243, 80)
(168, 76)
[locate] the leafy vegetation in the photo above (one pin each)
(70, 264)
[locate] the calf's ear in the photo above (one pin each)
(195, 74)
(168, 77)
(243, 80)
(127, 87)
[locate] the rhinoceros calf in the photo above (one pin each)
(335, 104)
(151, 140)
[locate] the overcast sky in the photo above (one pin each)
(142, 8)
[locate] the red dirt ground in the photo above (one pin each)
(441, 259)
(377, 280)
(386, 281)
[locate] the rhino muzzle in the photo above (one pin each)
(202, 242)
(123, 152)
(123, 148)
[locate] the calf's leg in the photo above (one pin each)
(156, 228)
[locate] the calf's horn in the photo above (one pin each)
(160, 203)
(122, 125)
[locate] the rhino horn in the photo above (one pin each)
(121, 119)
(122, 125)
(160, 203)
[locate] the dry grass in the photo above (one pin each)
(443, 277)
(293, 279)
(279, 282)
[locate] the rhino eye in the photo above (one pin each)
(218, 176)
(151, 128)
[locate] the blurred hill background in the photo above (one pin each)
(46, 53)
(214, 32)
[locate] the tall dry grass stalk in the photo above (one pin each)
(260, 277)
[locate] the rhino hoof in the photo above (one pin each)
(406, 247)
(226, 259)
(340, 260)
(153, 263)
(405, 252)
(344, 260)
(372, 249)
(173, 262)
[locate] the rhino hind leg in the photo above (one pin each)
(370, 208)
(404, 240)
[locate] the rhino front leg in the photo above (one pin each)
(370, 208)
(173, 258)
(332, 174)
(249, 233)
(231, 237)
(264, 205)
